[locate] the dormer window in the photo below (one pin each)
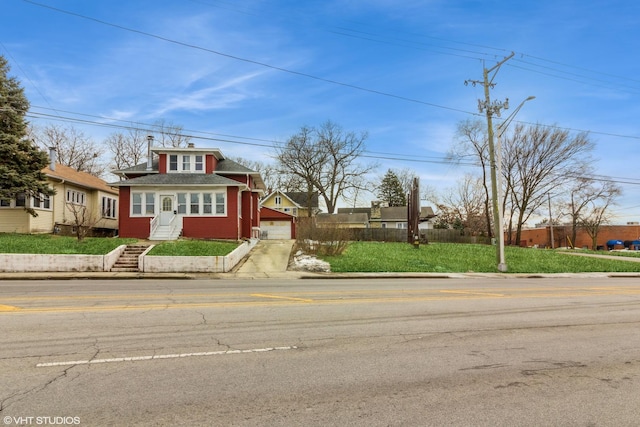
(173, 162)
(186, 163)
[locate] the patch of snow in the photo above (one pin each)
(304, 262)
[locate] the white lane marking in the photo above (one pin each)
(163, 356)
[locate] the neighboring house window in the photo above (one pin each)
(108, 207)
(199, 163)
(76, 197)
(278, 200)
(195, 203)
(186, 163)
(143, 202)
(402, 225)
(42, 201)
(21, 200)
(182, 203)
(173, 162)
(384, 225)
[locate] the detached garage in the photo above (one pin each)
(276, 225)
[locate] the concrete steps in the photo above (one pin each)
(128, 261)
(165, 232)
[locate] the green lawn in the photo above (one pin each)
(464, 258)
(193, 248)
(51, 244)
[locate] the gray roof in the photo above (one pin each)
(366, 211)
(399, 213)
(301, 197)
(229, 166)
(178, 179)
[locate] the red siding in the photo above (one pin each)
(211, 163)
(162, 163)
(138, 228)
(247, 214)
(210, 227)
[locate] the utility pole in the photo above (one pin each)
(491, 108)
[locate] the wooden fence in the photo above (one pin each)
(399, 235)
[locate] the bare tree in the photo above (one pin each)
(83, 220)
(73, 148)
(583, 193)
(538, 158)
(167, 134)
(273, 177)
(128, 149)
(326, 159)
(466, 205)
(594, 219)
(471, 143)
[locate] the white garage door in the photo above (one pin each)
(275, 230)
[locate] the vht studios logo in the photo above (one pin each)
(41, 421)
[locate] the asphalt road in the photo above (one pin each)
(461, 352)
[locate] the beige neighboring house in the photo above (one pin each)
(294, 203)
(75, 191)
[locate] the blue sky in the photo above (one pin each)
(256, 71)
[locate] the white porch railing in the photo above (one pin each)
(155, 221)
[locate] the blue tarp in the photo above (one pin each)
(614, 242)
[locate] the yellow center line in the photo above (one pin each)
(8, 308)
(281, 297)
(488, 294)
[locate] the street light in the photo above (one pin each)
(502, 265)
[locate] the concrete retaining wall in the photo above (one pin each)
(21, 263)
(203, 264)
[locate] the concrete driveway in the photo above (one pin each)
(267, 258)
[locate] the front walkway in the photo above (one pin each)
(267, 258)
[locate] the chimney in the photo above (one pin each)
(191, 145)
(149, 153)
(52, 158)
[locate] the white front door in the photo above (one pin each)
(166, 208)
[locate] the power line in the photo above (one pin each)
(250, 61)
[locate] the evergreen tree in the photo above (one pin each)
(390, 190)
(21, 162)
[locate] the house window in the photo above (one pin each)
(199, 163)
(143, 202)
(173, 162)
(5, 203)
(42, 201)
(182, 203)
(186, 163)
(278, 200)
(150, 207)
(220, 203)
(401, 225)
(108, 207)
(207, 204)
(195, 203)
(76, 197)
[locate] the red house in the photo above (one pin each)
(189, 192)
